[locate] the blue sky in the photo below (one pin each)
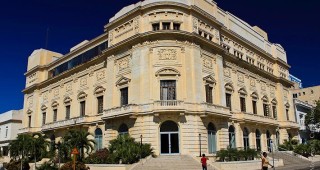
(293, 24)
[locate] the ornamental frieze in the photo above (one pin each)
(167, 54)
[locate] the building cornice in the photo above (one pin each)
(153, 36)
(10, 121)
(70, 55)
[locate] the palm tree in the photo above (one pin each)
(40, 146)
(21, 147)
(79, 139)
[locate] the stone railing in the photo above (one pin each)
(63, 123)
(168, 105)
(121, 111)
(29, 130)
(289, 124)
(161, 106)
(249, 117)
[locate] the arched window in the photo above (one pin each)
(246, 138)
(289, 136)
(212, 138)
(98, 138)
(52, 142)
(123, 129)
(232, 137)
(258, 140)
(268, 140)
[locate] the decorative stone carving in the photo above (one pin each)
(30, 101)
(56, 92)
(227, 72)
(123, 63)
(168, 71)
(263, 86)
(100, 75)
(69, 87)
(136, 25)
(240, 77)
(207, 62)
(252, 82)
(83, 82)
(167, 54)
(195, 24)
(110, 38)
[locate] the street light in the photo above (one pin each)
(59, 145)
(200, 144)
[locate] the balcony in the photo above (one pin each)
(167, 106)
(64, 123)
(121, 111)
(29, 130)
(289, 124)
(253, 118)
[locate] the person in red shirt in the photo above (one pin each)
(204, 162)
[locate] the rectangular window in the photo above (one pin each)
(166, 25)
(68, 112)
(228, 100)
(82, 108)
(274, 110)
(55, 112)
(29, 121)
(266, 110)
(176, 26)
(295, 96)
(287, 114)
(7, 132)
(209, 94)
(100, 104)
(243, 104)
(124, 96)
(254, 107)
(44, 117)
(156, 27)
(168, 90)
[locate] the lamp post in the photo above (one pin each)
(199, 144)
(59, 144)
(140, 147)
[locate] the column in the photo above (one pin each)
(220, 81)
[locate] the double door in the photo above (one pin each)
(169, 142)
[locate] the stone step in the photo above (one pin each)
(176, 162)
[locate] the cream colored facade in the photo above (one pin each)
(309, 94)
(176, 60)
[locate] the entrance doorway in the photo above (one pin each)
(169, 138)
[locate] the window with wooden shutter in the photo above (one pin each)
(209, 93)
(100, 104)
(124, 96)
(168, 90)
(82, 108)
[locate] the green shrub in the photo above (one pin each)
(303, 149)
(98, 157)
(47, 166)
(233, 154)
(125, 150)
(69, 166)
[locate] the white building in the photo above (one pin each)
(10, 123)
(301, 110)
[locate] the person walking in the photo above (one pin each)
(265, 162)
(204, 162)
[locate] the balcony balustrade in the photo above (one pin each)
(29, 130)
(254, 118)
(63, 123)
(166, 106)
(289, 124)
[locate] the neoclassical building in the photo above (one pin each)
(183, 75)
